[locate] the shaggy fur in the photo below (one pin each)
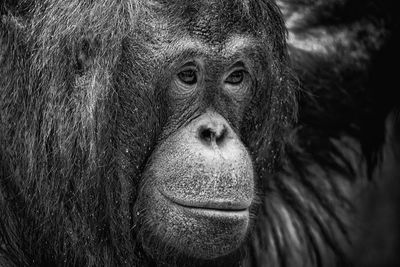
(79, 113)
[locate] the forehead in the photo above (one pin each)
(233, 47)
(211, 22)
(214, 24)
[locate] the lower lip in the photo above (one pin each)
(206, 212)
(210, 212)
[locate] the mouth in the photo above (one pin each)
(212, 208)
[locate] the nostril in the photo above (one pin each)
(212, 134)
(206, 134)
(220, 137)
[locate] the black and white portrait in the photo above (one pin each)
(199, 133)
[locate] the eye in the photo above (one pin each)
(188, 76)
(235, 77)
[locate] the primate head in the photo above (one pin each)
(223, 97)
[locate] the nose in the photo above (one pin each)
(213, 130)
